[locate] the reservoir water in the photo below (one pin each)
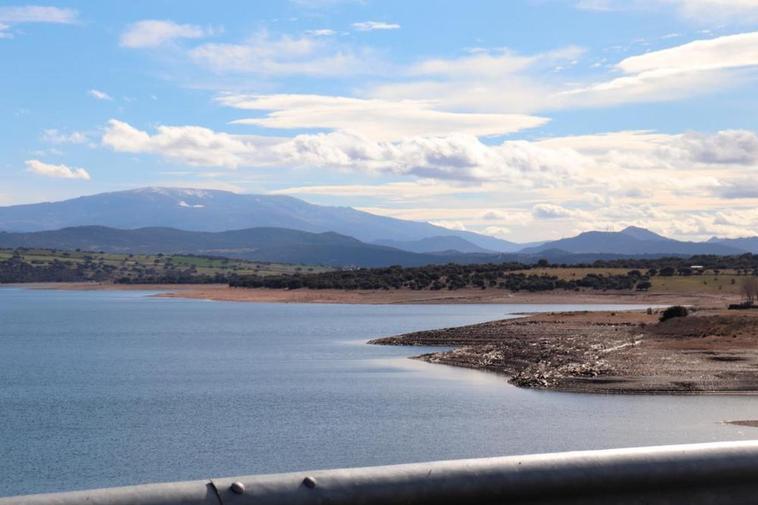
(111, 388)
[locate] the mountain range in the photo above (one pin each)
(261, 244)
(285, 229)
(214, 210)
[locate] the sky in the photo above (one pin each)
(522, 119)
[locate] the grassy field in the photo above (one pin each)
(573, 273)
(726, 282)
(128, 262)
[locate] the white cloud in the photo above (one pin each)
(551, 211)
(642, 178)
(36, 14)
(321, 32)
(450, 225)
(192, 145)
(485, 80)
(704, 12)
(370, 26)
(56, 171)
(154, 33)
(727, 147)
(99, 95)
(54, 136)
(14, 15)
(374, 119)
(415, 190)
(682, 71)
(710, 11)
(264, 54)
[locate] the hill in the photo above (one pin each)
(260, 244)
(749, 244)
(632, 241)
(439, 244)
(214, 211)
(46, 265)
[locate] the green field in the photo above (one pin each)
(728, 281)
(136, 265)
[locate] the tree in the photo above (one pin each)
(675, 311)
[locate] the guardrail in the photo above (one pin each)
(718, 473)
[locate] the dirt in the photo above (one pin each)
(222, 292)
(710, 351)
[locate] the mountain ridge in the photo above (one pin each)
(215, 210)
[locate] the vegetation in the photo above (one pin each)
(510, 276)
(43, 265)
(694, 275)
(675, 311)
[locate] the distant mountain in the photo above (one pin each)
(643, 234)
(632, 241)
(262, 244)
(212, 210)
(276, 245)
(749, 244)
(434, 245)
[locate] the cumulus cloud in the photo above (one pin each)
(56, 171)
(99, 95)
(551, 211)
(192, 145)
(370, 26)
(645, 178)
(613, 163)
(728, 147)
(375, 119)
(154, 33)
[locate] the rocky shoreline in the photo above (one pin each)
(711, 351)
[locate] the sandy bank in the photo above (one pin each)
(222, 292)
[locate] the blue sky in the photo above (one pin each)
(527, 119)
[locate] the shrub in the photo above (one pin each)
(675, 311)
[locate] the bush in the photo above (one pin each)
(675, 311)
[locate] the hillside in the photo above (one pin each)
(260, 244)
(632, 241)
(435, 245)
(214, 211)
(749, 244)
(46, 265)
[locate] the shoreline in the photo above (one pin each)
(222, 292)
(712, 351)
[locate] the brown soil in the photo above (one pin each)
(711, 351)
(222, 292)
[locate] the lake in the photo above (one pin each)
(110, 388)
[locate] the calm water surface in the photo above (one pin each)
(110, 388)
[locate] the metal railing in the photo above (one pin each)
(718, 473)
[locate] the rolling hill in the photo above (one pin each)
(260, 244)
(632, 241)
(435, 245)
(749, 244)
